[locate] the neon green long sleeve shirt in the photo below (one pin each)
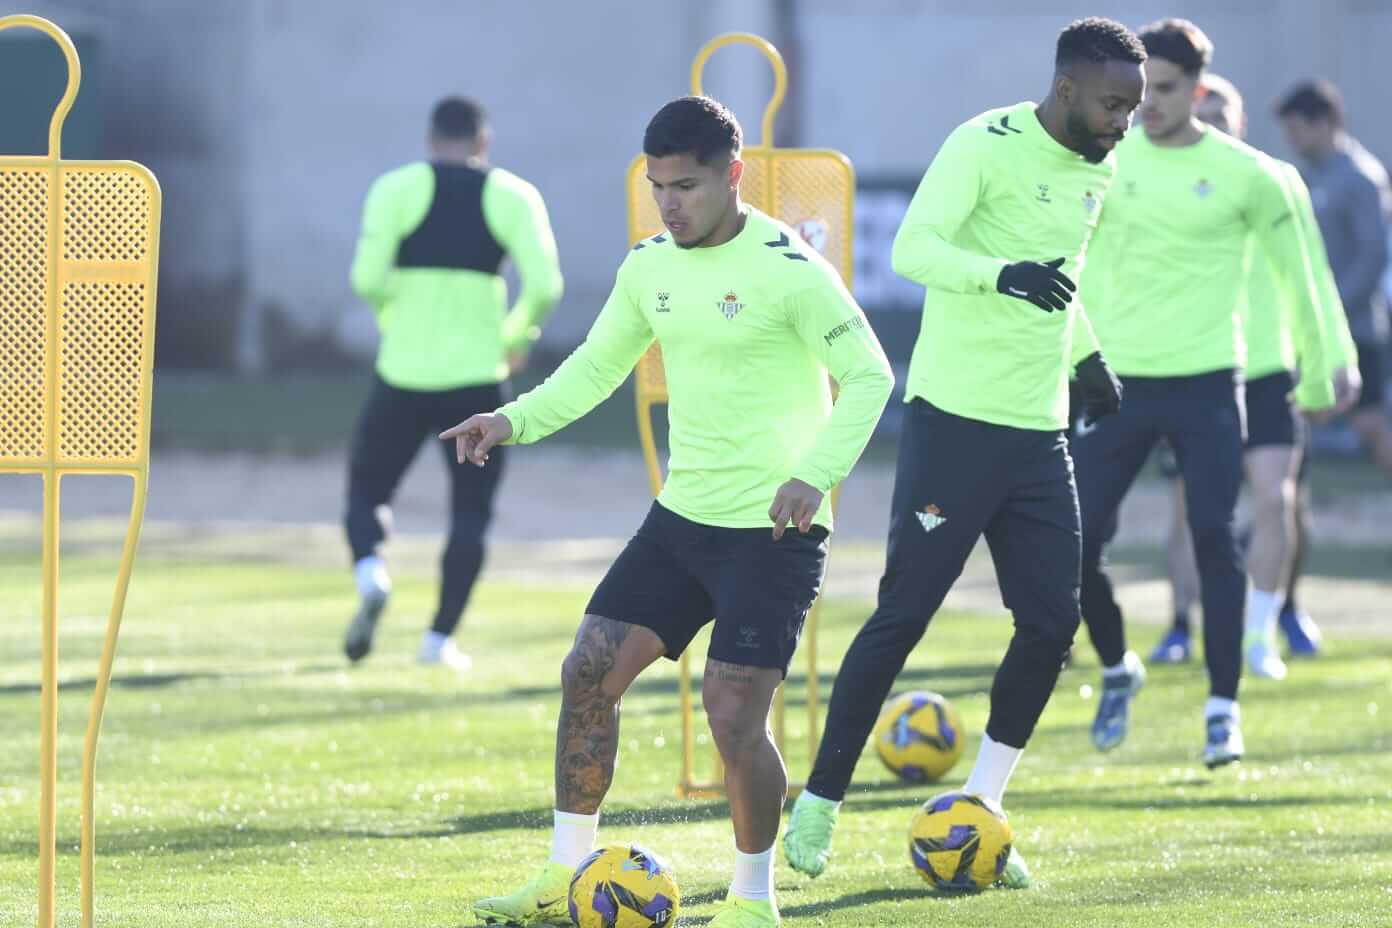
(749, 332)
(1000, 190)
(429, 261)
(1273, 326)
(1165, 276)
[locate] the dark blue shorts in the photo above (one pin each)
(1272, 419)
(675, 576)
(1370, 367)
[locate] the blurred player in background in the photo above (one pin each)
(429, 259)
(1000, 221)
(1349, 187)
(750, 322)
(1163, 286)
(1275, 432)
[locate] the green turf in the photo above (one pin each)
(247, 778)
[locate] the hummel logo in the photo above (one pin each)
(1044, 194)
(931, 517)
(662, 297)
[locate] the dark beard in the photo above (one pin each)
(1085, 143)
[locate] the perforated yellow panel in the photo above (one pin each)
(94, 381)
(103, 333)
(106, 215)
(23, 313)
(812, 190)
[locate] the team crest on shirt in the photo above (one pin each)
(731, 305)
(662, 297)
(930, 517)
(1202, 189)
(1089, 201)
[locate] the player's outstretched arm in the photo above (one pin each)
(593, 371)
(1341, 353)
(1272, 216)
(477, 435)
(947, 195)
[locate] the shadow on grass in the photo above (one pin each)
(865, 897)
(154, 681)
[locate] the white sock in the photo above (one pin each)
(753, 876)
(1217, 705)
(573, 837)
(1262, 611)
(812, 798)
(995, 762)
(434, 642)
(371, 574)
(1129, 663)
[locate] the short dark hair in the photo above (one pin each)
(1317, 99)
(1097, 39)
(457, 118)
(1178, 41)
(697, 126)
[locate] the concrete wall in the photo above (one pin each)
(267, 119)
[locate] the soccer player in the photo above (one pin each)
(1352, 199)
(1275, 430)
(429, 258)
(997, 232)
(1163, 283)
(751, 322)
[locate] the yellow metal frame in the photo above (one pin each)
(651, 385)
(101, 263)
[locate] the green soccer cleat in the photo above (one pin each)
(543, 901)
(807, 839)
(746, 913)
(1016, 874)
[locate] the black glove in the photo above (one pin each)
(1100, 388)
(1044, 285)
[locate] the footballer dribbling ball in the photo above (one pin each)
(623, 886)
(919, 736)
(959, 841)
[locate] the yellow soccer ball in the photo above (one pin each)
(919, 736)
(960, 841)
(623, 886)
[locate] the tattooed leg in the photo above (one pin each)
(737, 700)
(607, 656)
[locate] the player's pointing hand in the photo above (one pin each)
(476, 436)
(796, 503)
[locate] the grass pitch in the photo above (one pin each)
(248, 777)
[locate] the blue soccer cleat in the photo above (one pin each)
(1302, 634)
(1175, 648)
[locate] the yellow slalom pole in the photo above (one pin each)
(86, 370)
(775, 60)
(140, 483)
(48, 705)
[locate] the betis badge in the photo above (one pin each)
(731, 305)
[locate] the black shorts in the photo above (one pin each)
(1370, 368)
(1272, 419)
(675, 576)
